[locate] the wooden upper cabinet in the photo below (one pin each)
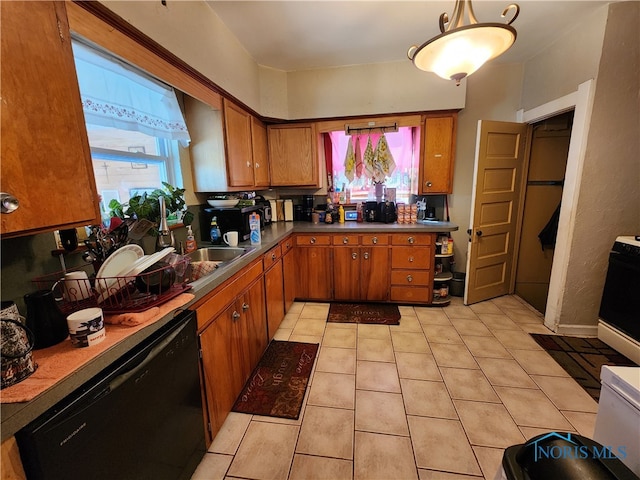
(237, 131)
(46, 161)
(436, 169)
(293, 155)
(260, 153)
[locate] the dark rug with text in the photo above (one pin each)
(371, 313)
(277, 385)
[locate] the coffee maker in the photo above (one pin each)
(265, 209)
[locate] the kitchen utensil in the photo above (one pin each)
(44, 319)
(16, 346)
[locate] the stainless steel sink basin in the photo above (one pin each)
(218, 254)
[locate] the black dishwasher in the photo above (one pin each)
(140, 418)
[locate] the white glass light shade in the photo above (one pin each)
(458, 53)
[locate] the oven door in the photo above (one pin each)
(620, 306)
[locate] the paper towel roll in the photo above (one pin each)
(274, 210)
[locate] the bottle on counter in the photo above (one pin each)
(214, 232)
(359, 217)
(254, 229)
(191, 245)
(341, 214)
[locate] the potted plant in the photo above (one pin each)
(146, 206)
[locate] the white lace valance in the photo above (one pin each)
(115, 94)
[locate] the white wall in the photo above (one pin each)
(608, 202)
(393, 87)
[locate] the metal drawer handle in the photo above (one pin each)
(366, 255)
(345, 240)
(245, 306)
(409, 278)
(428, 183)
(273, 256)
(411, 239)
(411, 259)
(248, 164)
(257, 165)
(235, 315)
(313, 240)
(374, 240)
(354, 255)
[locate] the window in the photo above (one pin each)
(404, 148)
(134, 124)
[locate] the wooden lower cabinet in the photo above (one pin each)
(411, 268)
(314, 266)
(232, 341)
(361, 273)
(289, 272)
(274, 289)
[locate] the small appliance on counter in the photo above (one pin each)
(384, 212)
(229, 219)
(266, 210)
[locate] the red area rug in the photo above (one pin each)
(375, 313)
(277, 385)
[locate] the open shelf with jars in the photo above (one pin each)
(443, 272)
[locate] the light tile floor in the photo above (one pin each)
(438, 397)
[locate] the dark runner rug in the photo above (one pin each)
(277, 385)
(582, 358)
(376, 313)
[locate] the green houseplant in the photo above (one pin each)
(146, 206)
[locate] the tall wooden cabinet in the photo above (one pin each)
(44, 148)
(274, 288)
(436, 169)
(293, 155)
(246, 146)
(290, 273)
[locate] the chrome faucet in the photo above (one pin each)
(165, 236)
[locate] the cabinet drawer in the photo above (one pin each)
(412, 238)
(411, 257)
(410, 278)
(306, 240)
(272, 256)
(375, 239)
(286, 245)
(411, 294)
(345, 240)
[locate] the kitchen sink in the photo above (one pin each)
(208, 260)
(218, 254)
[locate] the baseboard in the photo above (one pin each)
(619, 341)
(590, 331)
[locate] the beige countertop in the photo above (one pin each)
(16, 415)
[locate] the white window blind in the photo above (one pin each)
(115, 94)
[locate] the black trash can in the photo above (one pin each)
(457, 284)
(564, 456)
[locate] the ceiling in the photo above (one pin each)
(301, 34)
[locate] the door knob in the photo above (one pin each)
(235, 315)
(345, 240)
(313, 240)
(366, 255)
(273, 256)
(411, 240)
(245, 306)
(428, 183)
(374, 240)
(354, 255)
(479, 233)
(409, 278)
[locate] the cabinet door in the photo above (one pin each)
(437, 163)
(45, 152)
(346, 273)
(290, 277)
(314, 267)
(237, 124)
(293, 158)
(374, 273)
(274, 291)
(260, 153)
(222, 365)
(254, 320)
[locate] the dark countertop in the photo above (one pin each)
(16, 415)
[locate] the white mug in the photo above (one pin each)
(76, 286)
(231, 239)
(86, 327)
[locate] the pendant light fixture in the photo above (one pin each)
(462, 49)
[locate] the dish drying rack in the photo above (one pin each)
(122, 294)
